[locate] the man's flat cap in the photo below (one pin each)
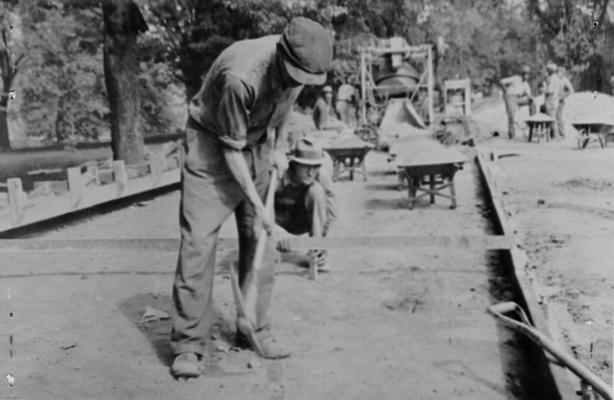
(307, 49)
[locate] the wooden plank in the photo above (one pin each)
(43, 189)
(16, 199)
(105, 176)
(301, 243)
(52, 207)
(91, 176)
(138, 170)
(120, 176)
(156, 166)
(520, 262)
(75, 186)
(50, 187)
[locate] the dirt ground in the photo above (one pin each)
(389, 324)
(562, 200)
(385, 324)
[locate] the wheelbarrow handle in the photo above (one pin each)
(525, 327)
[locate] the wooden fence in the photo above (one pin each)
(87, 185)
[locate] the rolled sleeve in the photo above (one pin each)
(233, 114)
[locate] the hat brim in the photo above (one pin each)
(304, 77)
(306, 161)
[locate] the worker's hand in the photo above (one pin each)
(280, 161)
(262, 221)
(282, 238)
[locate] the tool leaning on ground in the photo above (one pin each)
(246, 301)
(524, 326)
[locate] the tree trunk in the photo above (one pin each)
(8, 70)
(608, 55)
(122, 23)
(5, 144)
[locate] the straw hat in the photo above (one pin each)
(307, 153)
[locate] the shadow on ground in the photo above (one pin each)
(386, 204)
(158, 332)
(384, 186)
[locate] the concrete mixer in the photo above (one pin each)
(397, 87)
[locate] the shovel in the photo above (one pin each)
(524, 326)
(246, 301)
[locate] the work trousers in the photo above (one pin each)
(551, 105)
(559, 117)
(301, 210)
(209, 194)
(511, 106)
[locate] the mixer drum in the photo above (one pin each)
(397, 82)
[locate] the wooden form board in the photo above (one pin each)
(301, 243)
(536, 309)
(84, 191)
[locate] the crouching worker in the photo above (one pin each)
(304, 200)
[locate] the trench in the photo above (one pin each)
(525, 365)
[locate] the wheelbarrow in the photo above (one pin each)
(525, 327)
(430, 179)
(593, 131)
(348, 155)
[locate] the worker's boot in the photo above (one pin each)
(186, 365)
(269, 347)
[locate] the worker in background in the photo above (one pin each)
(345, 104)
(551, 95)
(234, 125)
(323, 109)
(304, 201)
(517, 93)
(565, 89)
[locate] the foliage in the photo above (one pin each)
(190, 33)
(64, 95)
(62, 92)
(63, 87)
(160, 99)
(573, 34)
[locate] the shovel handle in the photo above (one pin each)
(250, 289)
(547, 344)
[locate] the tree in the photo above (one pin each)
(9, 65)
(574, 35)
(122, 23)
(191, 33)
(61, 84)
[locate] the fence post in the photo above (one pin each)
(182, 154)
(92, 170)
(17, 198)
(75, 185)
(155, 166)
(119, 175)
